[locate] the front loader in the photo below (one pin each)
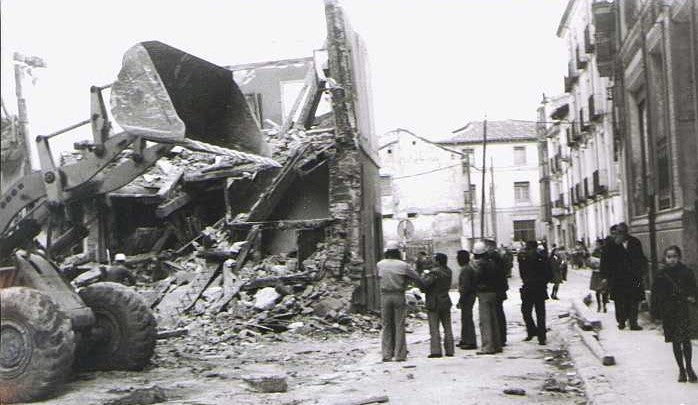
(163, 97)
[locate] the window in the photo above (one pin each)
(519, 155)
(521, 191)
(663, 175)
(525, 230)
(468, 158)
(387, 216)
(470, 197)
(386, 186)
(411, 214)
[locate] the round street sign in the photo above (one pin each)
(405, 229)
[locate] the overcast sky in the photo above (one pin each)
(435, 64)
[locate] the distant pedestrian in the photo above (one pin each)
(557, 263)
(673, 291)
(393, 277)
(487, 282)
(623, 267)
(437, 283)
(535, 273)
(596, 283)
(468, 293)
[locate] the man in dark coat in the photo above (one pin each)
(623, 266)
(502, 288)
(437, 283)
(535, 273)
(468, 293)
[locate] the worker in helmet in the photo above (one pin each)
(488, 281)
(393, 277)
(117, 272)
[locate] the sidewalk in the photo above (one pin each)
(645, 370)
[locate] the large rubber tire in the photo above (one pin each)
(36, 345)
(125, 330)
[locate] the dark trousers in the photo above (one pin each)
(442, 317)
(393, 318)
(626, 310)
(501, 318)
(534, 328)
(467, 326)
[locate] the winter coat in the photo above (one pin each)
(437, 283)
(536, 273)
(624, 268)
(670, 292)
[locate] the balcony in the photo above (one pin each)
(582, 59)
(587, 194)
(559, 211)
(574, 136)
(604, 36)
(599, 187)
(578, 196)
(596, 111)
(588, 43)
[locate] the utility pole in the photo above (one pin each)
(493, 208)
(484, 172)
(471, 196)
(23, 63)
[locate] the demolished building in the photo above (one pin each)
(322, 202)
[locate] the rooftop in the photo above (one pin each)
(507, 130)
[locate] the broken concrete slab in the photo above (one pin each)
(267, 383)
(266, 298)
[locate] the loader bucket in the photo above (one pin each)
(167, 95)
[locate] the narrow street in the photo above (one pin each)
(338, 369)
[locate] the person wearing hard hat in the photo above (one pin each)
(118, 273)
(487, 282)
(393, 277)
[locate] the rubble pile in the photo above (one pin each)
(220, 302)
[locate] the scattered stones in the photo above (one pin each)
(266, 298)
(141, 396)
(515, 391)
(267, 382)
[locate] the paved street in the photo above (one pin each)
(645, 371)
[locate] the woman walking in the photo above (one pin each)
(674, 290)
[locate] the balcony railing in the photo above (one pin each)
(599, 186)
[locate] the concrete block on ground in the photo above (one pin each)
(588, 319)
(595, 347)
(267, 382)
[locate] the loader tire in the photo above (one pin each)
(36, 345)
(124, 334)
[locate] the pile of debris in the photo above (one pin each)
(220, 292)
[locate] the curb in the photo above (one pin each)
(594, 346)
(589, 320)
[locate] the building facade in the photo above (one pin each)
(426, 200)
(581, 163)
(653, 58)
(511, 182)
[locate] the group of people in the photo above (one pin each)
(482, 278)
(622, 273)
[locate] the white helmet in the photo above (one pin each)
(120, 257)
(392, 245)
(479, 248)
